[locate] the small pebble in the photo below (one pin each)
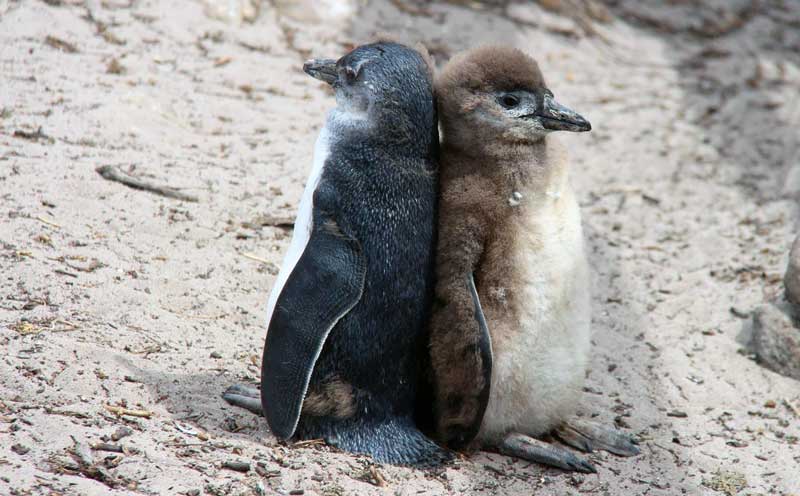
(695, 379)
(20, 449)
(121, 432)
(577, 479)
(215, 354)
(677, 414)
(237, 466)
(736, 443)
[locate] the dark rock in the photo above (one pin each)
(20, 449)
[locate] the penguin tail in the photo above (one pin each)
(395, 441)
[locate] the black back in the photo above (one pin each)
(378, 194)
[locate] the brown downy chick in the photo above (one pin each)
(510, 252)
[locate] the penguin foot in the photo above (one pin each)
(243, 396)
(534, 450)
(588, 436)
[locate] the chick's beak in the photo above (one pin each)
(557, 117)
(322, 69)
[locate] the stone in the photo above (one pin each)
(775, 339)
(792, 278)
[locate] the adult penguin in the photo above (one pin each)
(348, 312)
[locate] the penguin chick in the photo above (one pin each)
(347, 314)
(510, 330)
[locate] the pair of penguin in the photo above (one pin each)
(413, 295)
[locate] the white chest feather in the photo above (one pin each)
(303, 222)
(538, 371)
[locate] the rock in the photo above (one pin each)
(776, 340)
(121, 432)
(792, 278)
(20, 449)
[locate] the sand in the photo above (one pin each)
(113, 298)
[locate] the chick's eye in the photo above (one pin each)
(509, 101)
(350, 74)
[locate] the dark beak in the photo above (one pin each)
(322, 69)
(557, 117)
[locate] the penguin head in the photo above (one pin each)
(499, 93)
(382, 85)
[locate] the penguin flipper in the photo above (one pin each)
(461, 349)
(484, 348)
(324, 285)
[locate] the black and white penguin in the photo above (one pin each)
(510, 330)
(349, 309)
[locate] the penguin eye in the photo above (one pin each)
(350, 74)
(509, 101)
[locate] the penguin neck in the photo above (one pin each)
(382, 130)
(538, 169)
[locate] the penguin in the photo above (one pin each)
(509, 334)
(349, 309)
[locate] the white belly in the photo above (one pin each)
(303, 222)
(538, 373)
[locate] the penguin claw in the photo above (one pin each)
(244, 396)
(585, 435)
(534, 450)
(581, 465)
(244, 390)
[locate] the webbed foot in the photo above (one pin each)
(534, 450)
(244, 396)
(587, 436)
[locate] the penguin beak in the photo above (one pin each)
(557, 117)
(322, 69)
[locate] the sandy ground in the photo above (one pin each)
(113, 297)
